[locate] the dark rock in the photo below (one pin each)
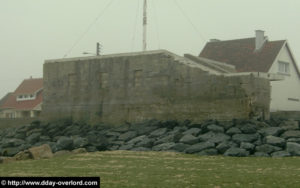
(180, 147)
(272, 131)
(245, 137)
(211, 151)
(35, 137)
(281, 154)
(80, 142)
(293, 148)
(261, 154)
(45, 138)
(266, 148)
(164, 139)
(275, 141)
(236, 152)
(291, 134)
(163, 147)
(127, 136)
(297, 140)
(218, 138)
(112, 134)
(12, 142)
(140, 149)
(222, 147)
(199, 147)
(192, 131)
(65, 143)
(10, 151)
(247, 146)
(233, 130)
(91, 148)
(122, 129)
(189, 139)
(147, 142)
(248, 128)
(137, 139)
(215, 128)
(206, 136)
(158, 132)
(290, 125)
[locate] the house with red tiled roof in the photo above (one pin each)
(258, 54)
(25, 101)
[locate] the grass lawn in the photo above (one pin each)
(165, 169)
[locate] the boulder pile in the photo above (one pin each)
(274, 138)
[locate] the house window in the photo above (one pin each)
(283, 67)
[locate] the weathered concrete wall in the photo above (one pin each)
(135, 87)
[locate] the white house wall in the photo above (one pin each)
(288, 88)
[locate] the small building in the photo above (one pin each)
(258, 54)
(25, 102)
(134, 87)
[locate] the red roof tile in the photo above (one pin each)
(241, 53)
(12, 102)
(29, 86)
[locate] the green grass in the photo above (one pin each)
(165, 169)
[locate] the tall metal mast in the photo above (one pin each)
(145, 26)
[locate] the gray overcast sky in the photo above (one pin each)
(35, 30)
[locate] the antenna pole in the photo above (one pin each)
(145, 26)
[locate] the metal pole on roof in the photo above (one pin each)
(145, 26)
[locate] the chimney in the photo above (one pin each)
(260, 39)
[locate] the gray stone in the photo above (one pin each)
(147, 142)
(45, 138)
(290, 125)
(12, 142)
(158, 132)
(80, 142)
(236, 152)
(210, 151)
(164, 139)
(192, 131)
(248, 128)
(222, 147)
(261, 154)
(163, 147)
(33, 138)
(199, 147)
(180, 147)
(206, 136)
(91, 148)
(215, 128)
(293, 148)
(64, 143)
(272, 131)
(137, 139)
(297, 140)
(291, 134)
(247, 146)
(245, 137)
(218, 138)
(10, 151)
(233, 130)
(281, 154)
(275, 141)
(266, 148)
(189, 139)
(126, 147)
(127, 136)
